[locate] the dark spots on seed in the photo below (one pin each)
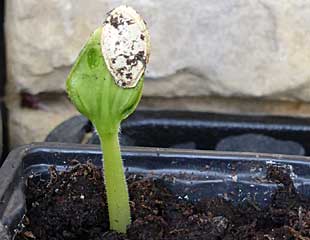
(130, 22)
(124, 55)
(114, 21)
(121, 70)
(123, 63)
(117, 21)
(121, 83)
(129, 61)
(139, 57)
(133, 44)
(129, 75)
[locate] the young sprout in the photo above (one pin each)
(105, 85)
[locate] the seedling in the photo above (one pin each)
(105, 85)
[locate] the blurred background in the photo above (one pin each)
(226, 56)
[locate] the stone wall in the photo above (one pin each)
(228, 48)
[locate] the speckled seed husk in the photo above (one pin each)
(125, 44)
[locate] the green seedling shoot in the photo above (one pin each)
(105, 85)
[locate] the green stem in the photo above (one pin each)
(115, 182)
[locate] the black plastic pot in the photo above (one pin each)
(1, 134)
(198, 130)
(198, 173)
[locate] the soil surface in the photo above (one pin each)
(72, 206)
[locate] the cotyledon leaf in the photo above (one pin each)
(93, 90)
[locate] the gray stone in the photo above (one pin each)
(259, 143)
(257, 48)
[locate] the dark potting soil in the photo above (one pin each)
(72, 205)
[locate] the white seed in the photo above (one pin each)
(125, 45)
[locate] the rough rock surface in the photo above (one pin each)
(33, 125)
(238, 48)
(256, 48)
